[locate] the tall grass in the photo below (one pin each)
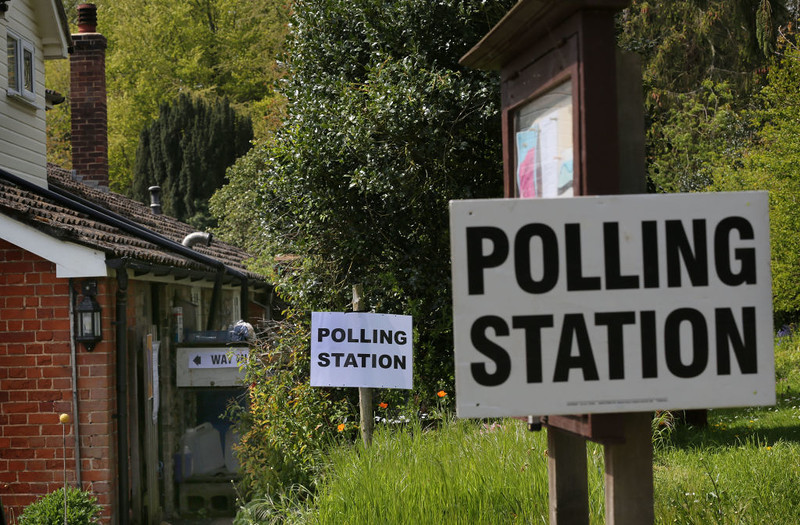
(752, 482)
(744, 468)
(464, 472)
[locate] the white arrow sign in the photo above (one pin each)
(216, 357)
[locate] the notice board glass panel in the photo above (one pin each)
(543, 144)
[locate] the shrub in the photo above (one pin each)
(82, 509)
(288, 424)
(383, 129)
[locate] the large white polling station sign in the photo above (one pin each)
(612, 304)
(361, 350)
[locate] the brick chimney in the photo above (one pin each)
(88, 100)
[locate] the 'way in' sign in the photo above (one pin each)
(216, 358)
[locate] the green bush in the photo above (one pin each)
(288, 424)
(82, 509)
(383, 129)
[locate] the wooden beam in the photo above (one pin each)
(527, 22)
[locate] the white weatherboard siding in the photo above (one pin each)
(53, 35)
(23, 139)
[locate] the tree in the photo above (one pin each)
(157, 50)
(186, 151)
(702, 61)
(770, 163)
(384, 128)
(59, 132)
(59, 149)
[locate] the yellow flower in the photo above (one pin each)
(441, 393)
(769, 448)
(340, 427)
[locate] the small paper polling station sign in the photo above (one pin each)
(612, 304)
(361, 349)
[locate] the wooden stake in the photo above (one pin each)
(365, 403)
(629, 473)
(567, 478)
(629, 465)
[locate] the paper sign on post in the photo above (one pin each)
(612, 304)
(361, 350)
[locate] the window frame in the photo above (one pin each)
(22, 68)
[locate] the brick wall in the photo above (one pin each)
(36, 386)
(88, 102)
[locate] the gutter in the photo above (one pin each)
(123, 223)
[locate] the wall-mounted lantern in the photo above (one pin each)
(89, 330)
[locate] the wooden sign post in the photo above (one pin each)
(364, 350)
(545, 289)
(365, 394)
(558, 59)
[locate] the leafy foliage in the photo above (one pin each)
(702, 128)
(288, 423)
(157, 50)
(702, 61)
(82, 509)
(59, 132)
(186, 151)
(384, 128)
(770, 164)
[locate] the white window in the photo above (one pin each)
(20, 67)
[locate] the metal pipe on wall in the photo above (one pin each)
(122, 395)
(74, 363)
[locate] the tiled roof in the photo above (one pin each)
(66, 221)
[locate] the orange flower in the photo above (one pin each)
(383, 405)
(340, 427)
(441, 393)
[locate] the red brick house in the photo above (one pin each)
(141, 395)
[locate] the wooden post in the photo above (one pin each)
(629, 465)
(538, 45)
(629, 473)
(567, 478)
(365, 404)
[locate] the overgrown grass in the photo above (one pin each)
(744, 468)
(746, 482)
(464, 472)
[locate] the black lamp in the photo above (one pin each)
(87, 314)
